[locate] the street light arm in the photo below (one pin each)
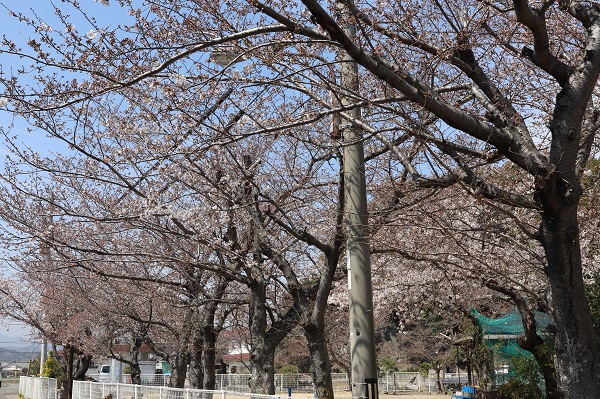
(202, 47)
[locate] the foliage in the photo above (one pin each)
(289, 369)
(424, 367)
(53, 368)
(477, 352)
(386, 364)
(527, 381)
(34, 367)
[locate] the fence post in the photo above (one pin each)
(429, 381)
(387, 381)
(222, 394)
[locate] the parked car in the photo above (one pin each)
(104, 373)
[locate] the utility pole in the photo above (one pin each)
(360, 291)
(44, 354)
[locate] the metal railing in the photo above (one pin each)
(100, 390)
(38, 387)
(297, 382)
(400, 382)
(146, 379)
(239, 382)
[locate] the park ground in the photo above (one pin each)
(407, 395)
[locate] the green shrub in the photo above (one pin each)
(289, 369)
(517, 389)
(527, 381)
(52, 367)
(34, 367)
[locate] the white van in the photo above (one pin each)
(104, 373)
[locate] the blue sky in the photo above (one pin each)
(16, 335)
(106, 17)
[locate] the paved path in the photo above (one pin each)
(9, 390)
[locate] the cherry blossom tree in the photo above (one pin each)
(448, 89)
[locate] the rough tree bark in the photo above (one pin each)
(557, 188)
(262, 355)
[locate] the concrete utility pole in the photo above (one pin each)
(43, 354)
(362, 340)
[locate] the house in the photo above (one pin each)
(237, 357)
(237, 363)
(14, 369)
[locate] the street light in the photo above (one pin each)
(225, 57)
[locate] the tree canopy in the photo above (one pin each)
(204, 138)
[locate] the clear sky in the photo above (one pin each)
(16, 335)
(106, 16)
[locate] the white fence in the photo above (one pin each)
(100, 390)
(146, 379)
(283, 382)
(38, 388)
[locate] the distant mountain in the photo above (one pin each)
(8, 355)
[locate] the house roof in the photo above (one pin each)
(236, 357)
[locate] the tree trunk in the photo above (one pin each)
(179, 370)
(196, 369)
(83, 364)
(559, 193)
(314, 330)
(438, 380)
(545, 360)
(208, 355)
(262, 355)
(531, 341)
(319, 358)
(576, 344)
(262, 370)
(136, 372)
(210, 332)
